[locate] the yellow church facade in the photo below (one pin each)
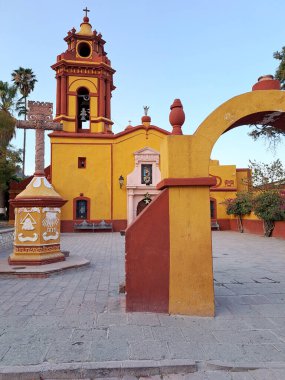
(101, 174)
(109, 178)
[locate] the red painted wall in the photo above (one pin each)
(224, 224)
(256, 227)
(147, 268)
(279, 230)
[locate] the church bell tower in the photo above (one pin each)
(84, 82)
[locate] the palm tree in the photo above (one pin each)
(7, 97)
(24, 80)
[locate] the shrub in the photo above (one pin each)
(239, 206)
(270, 207)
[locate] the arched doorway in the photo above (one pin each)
(143, 203)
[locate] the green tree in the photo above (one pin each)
(25, 81)
(280, 72)
(267, 176)
(9, 157)
(271, 134)
(270, 207)
(239, 206)
(7, 128)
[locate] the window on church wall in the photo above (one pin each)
(83, 109)
(146, 174)
(81, 162)
(81, 209)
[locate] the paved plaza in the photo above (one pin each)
(73, 324)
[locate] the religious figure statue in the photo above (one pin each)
(146, 108)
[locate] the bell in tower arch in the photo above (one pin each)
(83, 109)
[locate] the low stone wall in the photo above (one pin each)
(252, 226)
(6, 237)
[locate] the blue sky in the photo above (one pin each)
(201, 51)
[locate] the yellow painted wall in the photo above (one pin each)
(243, 180)
(95, 180)
(191, 289)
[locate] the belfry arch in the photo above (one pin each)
(173, 273)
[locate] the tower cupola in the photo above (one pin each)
(84, 82)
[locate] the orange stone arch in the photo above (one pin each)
(249, 108)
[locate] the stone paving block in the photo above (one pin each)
(76, 351)
(192, 376)
(109, 349)
(126, 333)
(245, 337)
(147, 333)
(143, 319)
(167, 333)
(276, 298)
(88, 334)
(19, 321)
(259, 323)
(186, 350)
(263, 353)
(278, 373)
(25, 354)
(172, 320)
(243, 376)
(198, 335)
(218, 375)
(34, 335)
(111, 319)
(149, 350)
(223, 312)
(244, 310)
(4, 348)
(223, 290)
(268, 311)
(263, 374)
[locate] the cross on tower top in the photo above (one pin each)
(86, 10)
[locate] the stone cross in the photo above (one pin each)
(39, 118)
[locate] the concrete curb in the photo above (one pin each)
(87, 370)
(91, 370)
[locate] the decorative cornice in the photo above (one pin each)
(108, 136)
(75, 65)
(185, 182)
(37, 202)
